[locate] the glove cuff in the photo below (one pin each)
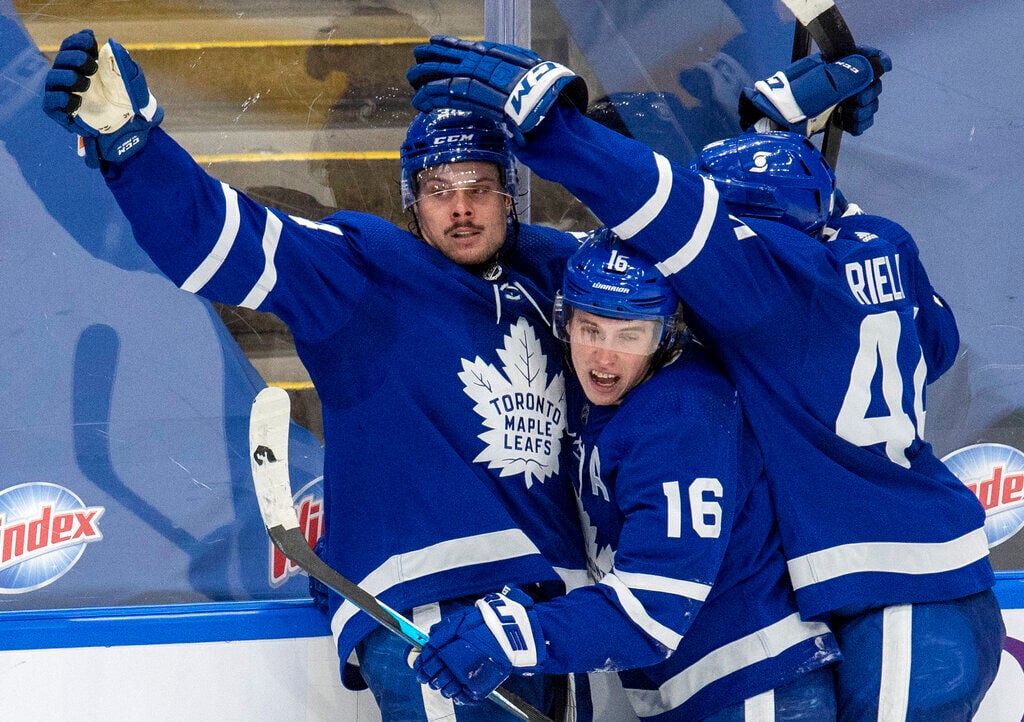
(515, 627)
(540, 86)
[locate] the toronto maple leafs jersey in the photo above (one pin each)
(442, 393)
(830, 345)
(681, 536)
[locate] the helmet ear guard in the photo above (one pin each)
(776, 175)
(453, 136)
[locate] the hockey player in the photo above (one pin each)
(681, 532)
(441, 383)
(830, 339)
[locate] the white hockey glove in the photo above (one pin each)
(101, 95)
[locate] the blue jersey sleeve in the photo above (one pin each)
(213, 240)
(670, 214)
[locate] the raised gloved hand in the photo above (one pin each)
(801, 97)
(100, 94)
(474, 650)
(504, 82)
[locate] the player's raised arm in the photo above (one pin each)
(207, 237)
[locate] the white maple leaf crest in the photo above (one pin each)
(523, 412)
(600, 560)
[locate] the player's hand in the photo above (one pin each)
(101, 95)
(504, 82)
(802, 97)
(473, 651)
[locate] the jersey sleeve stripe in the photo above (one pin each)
(888, 558)
(692, 248)
(654, 205)
(267, 280)
(638, 614)
(763, 644)
(215, 259)
(664, 585)
(438, 558)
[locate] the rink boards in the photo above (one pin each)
(256, 660)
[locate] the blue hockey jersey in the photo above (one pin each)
(442, 393)
(682, 538)
(830, 345)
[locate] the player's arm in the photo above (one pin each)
(205, 236)
(668, 556)
(628, 620)
(665, 211)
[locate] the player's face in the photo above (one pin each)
(462, 209)
(610, 355)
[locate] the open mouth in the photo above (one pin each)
(605, 382)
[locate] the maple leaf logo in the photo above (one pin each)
(600, 560)
(523, 412)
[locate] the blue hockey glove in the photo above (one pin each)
(801, 97)
(473, 651)
(100, 94)
(503, 82)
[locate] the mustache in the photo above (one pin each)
(463, 224)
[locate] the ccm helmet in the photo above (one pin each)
(777, 175)
(600, 279)
(451, 136)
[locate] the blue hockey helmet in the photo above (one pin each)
(452, 136)
(600, 279)
(777, 175)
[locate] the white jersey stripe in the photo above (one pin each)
(654, 205)
(690, 250)
(636, 611)
(442, 557)
(665, 585)
(889, 558)
(215, 259)
(267, 280)
(751, 649)
(897, 633)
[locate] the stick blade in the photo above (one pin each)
(269, 422)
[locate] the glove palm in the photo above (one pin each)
(100, 94)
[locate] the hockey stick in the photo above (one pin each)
(822, 21)
(268, 452)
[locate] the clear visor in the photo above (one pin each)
(637, 336)
(442, 183)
